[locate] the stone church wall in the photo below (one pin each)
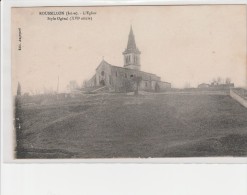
(103, 73)
(164, 85)
(120, 79)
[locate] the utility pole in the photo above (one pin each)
(57, 84)
(58, 78)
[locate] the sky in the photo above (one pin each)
(181, 44)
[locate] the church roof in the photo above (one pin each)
(131, 46)
(103, 62)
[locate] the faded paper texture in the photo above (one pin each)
(129, 81)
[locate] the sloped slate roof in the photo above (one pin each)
(103, 62)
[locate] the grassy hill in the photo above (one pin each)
(117, 125)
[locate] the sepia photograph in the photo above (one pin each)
(110, 82)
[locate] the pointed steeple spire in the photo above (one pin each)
(131, 46)
(131, 41)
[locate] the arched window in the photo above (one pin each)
(102, 73)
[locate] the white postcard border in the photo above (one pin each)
(7, 137)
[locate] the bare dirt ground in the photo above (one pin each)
(117, 126)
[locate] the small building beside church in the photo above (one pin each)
(126, 78)
(203, 86)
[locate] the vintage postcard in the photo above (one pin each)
(110, 82)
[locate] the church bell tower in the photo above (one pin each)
(132, 53)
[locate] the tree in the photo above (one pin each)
(187, 85)
(84, 84)
(137, 80)
(19, 89)
(219, 81)
(214, 82)
(228, 80)
(18, 123)
(72, 85)
(127, 85)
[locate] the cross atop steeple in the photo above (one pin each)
(131, 53)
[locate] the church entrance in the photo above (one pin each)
(102, 82)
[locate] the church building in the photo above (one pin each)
(126, 78)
